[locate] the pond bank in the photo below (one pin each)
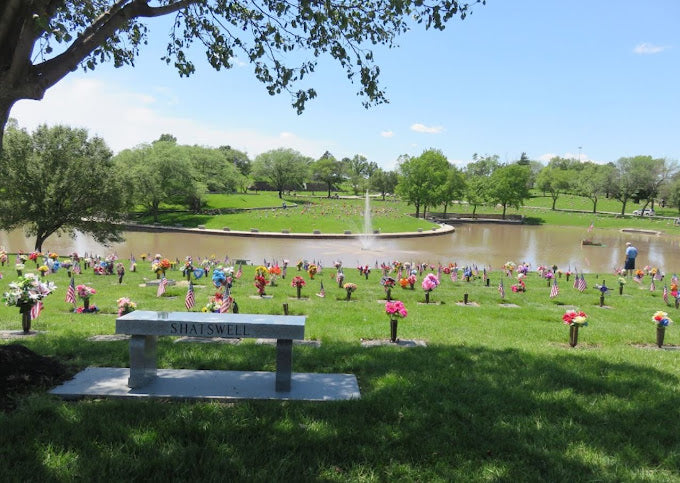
(285, 234)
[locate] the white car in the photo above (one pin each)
(647, 212)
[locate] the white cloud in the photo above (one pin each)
(647, 48)
(417, 127)
(124, 119)
(387, 134)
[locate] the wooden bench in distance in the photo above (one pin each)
(145, 326)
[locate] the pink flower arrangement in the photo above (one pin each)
(298, 282)
(572, 317)
(395, 309)
(430, 282)
(85, 292)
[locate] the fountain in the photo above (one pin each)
(367, 237)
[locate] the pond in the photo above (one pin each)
(482, 244)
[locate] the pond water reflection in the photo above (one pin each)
(482, 244)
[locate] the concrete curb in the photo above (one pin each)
(442, 230)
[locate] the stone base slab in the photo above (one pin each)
(208, 385)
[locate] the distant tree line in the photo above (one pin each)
(58, 179)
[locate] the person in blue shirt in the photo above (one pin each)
(631, 253)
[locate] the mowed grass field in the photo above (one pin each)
(497, 394)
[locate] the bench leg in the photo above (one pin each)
(142, 360)
(284, 364)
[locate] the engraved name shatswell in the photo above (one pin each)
(210, 329)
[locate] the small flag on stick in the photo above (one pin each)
(665, 294)
(501, 289)
(162, 286)
(190, 299)
(555, 290)
(226, 305)
(239, 272)
(36, 309)
(582, 284)
(71, 292)
(322, 292)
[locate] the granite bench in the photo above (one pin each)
(145, 326)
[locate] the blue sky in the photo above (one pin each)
(595, 79)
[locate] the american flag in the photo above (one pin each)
(555, 290)
(665, 294)
(484, 275)
(35, 310)
(652, 286)
(71, 292)
(161, 287)
(283, 271)
(454, 275)
(501, 289)
(674, 278)
(576, 281)
(226, 304)
(582, 284)
(322, 292)
(239, 272)
(76, 268)
(190, 300)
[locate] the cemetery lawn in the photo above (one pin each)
(306, 214)
(497, 394)
(303, 215)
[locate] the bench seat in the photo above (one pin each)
(146, 326)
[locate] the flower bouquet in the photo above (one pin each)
(430, 282)
(298, 282)
(388, 283)
(574, 320)
(164, 265)
(85, 293)
(260, 283)
(349, 288)
(395, 310)
(33, 256)
(274, 271)
(25, 293)
(662, 320)
(43, 269)
(509, 267)
(311, 270)
(125, 306)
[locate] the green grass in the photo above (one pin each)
(497, 394)
(326, 215)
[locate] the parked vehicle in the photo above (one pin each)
(647, 212)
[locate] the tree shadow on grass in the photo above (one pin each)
(441, 412)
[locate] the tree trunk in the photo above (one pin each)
(595, 205)
(417, 205)
(504, 207)
(474, 210)
(554, 201)
(329, 190)
(445, 207)
(280, 194)
(623, 207)
(5, 108)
